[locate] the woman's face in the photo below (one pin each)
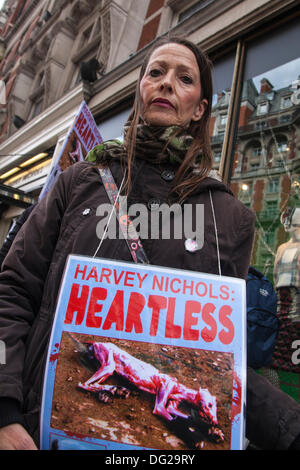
(170, 89)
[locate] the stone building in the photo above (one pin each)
(56, 53)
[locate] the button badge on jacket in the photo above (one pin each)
(168, 175)
(191, 245)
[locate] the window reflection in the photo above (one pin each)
(218, 123)
(222, 73)
(266, 163)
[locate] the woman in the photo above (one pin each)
(167, 158)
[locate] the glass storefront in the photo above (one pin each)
(265, 154)
(259, 118)
(266, 164)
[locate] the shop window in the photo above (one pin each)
(266, 138)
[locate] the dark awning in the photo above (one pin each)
(13, 196)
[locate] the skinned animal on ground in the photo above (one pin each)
(108, 358)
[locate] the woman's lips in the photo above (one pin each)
(163, 102)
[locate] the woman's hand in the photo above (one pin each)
(15, 437)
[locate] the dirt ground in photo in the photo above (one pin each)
(130, 420)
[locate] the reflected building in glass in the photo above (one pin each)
(266, 162)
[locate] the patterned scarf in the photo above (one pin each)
(155, 144)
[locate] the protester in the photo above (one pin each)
(165, 158)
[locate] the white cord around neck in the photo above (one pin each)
(110, 216)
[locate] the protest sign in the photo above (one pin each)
(81, 138)
(145, 357)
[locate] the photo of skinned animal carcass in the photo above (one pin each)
(143, 394)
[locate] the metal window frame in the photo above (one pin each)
(231, 129)
(233, 113)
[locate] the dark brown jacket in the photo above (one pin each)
(65, 222)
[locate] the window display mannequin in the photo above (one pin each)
(287, 284)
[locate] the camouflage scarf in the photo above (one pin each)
(155, 144)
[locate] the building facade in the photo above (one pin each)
(57, 53)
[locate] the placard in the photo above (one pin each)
(145, 357)
(82, 137)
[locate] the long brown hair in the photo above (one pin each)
(185, 180)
